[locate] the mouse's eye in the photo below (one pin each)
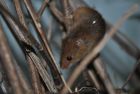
(69, 58)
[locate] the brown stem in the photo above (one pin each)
(25, 85)
(21, 34)
(19, 12)
(67, 8)
(43, 73)
(4, 84)
(68, 14)
(8, 64)
(60, 16)
(104, 76)
(55, 71)
(94, 79)
(127, 45)
(131, 74)
(34, 76)
(42, 8)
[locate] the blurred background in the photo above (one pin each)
(119, 64)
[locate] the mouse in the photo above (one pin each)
(86, 31)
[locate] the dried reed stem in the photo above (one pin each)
(94, 79)
(20, 13)
(21, 34)
(56, 13)
(131, 74)
(104, 76)
(126, 44)
(43, 73)
(57, 76)
(34, 76)
(25, 85)
(8, 64)
(42, 8)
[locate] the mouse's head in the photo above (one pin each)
(75, 48)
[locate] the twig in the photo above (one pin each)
(34, 76)
(98, 48)
(104, 76)
(42, 8)
(4, 83)
(39, 28)
(67, 8)
(25, 85)
(77, 3)
(22, 79)
(15, 26)
(43, 89)
(7, 63)
(57, 76)
(68, 13)
(3, 2)
(131, 74)
(49, 31)
(56, 13)
(21, 34)
(19, 12)
(94, 79)
(43, 73)
(126, 44)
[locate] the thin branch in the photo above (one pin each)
(104, 76)
(3, 2)
(78, 3)
(21, 34)
(131, 74)
(67, 8)
(22, 78)
(49, 31)
(68, 13)
(43, 89)
(19, 31)
(98, 48)
(7, 63)
(34, 76)
(55, 70)
(43, 73)
(94, 79)
(56, 13)
(4, 84)
(126, 44)
(25, 85)
(19, 12)
(43, 6)
(38, 26)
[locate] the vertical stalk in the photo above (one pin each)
(8, 64)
